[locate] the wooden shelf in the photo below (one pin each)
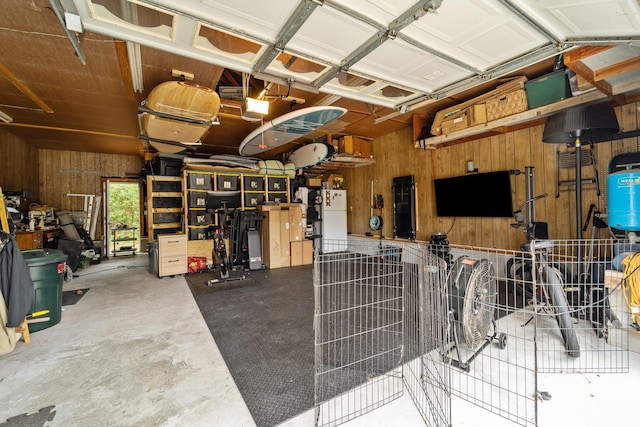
(341, 161)
(525, 119)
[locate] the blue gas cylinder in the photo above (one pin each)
(623, 201)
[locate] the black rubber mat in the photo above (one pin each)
(263, 326)
(72, 297)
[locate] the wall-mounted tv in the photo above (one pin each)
(474, 195)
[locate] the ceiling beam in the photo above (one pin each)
(24, 89)
(125, 68)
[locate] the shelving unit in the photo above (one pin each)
(124, 240)
(255, 190)
(164, 205)
(531, 117)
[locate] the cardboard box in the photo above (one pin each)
(470, 116)
(314, 182)
(302, 252)
(353, 145)
(275, 238)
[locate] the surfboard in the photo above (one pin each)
(228, 160)
(287, 128)
(177, 115)
(311, 155)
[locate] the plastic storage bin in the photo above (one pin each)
(46, 267)
(547, 89)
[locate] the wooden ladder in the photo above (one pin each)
(4, 221)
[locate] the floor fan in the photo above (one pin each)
(473, 294)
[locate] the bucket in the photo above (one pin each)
(46, 267)
(623, 201)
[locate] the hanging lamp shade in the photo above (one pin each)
(589, 123)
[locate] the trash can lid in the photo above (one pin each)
(36, 257)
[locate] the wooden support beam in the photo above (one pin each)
(24, 89)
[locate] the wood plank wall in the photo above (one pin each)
(63, 172)
(16, 164)
(396, 156)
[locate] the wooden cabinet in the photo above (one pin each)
(27, 240)
(164, 206)
(172, 254)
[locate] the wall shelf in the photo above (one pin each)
(529, 118)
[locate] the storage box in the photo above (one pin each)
(198, 232)
(161, 186)
(353, 145)
(314, 182)
(301, 252)
(227, 182)
(506, 105)
(198, 217)
(165, 217)
(167, 202)
(251, 200)
(196, 263)
(253, 183)
(199, 181)
(278, 197)
(166, 164)
(276, 183)
(455, 124)
(275, 238)
(197, 199)
(547, 89)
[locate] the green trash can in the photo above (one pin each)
(46, 267)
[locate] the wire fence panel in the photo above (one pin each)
(479, 324)
(582, 318)
(491, 343)
(358, 325)
(426, 375)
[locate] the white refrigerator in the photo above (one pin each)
(334, 220)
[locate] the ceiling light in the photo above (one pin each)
(5, 117)
(259, 106)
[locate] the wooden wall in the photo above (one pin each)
(396, 156)
(76, 172)
(17, 160)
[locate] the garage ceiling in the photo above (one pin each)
(74, 81)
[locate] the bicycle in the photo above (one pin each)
(550, 276)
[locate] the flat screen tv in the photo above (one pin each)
(474, 195)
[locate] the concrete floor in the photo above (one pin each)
(135, 351)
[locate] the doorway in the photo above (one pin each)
(121, 216)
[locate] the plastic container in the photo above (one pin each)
(46, 267)
(153, 257)
(547, 89)
(623, 200)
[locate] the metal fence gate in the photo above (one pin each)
(460, 323)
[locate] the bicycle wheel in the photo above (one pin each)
(553, 280)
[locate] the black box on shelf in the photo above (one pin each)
(166, 165)
(167, 202)
(165, 217)
(198, 233)
(253, 183)
(278, 197)
(227, 183)
(198, 217)
(166, 186)
(199, 181)
(252, 200)
(197, 199)
(277, 184)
